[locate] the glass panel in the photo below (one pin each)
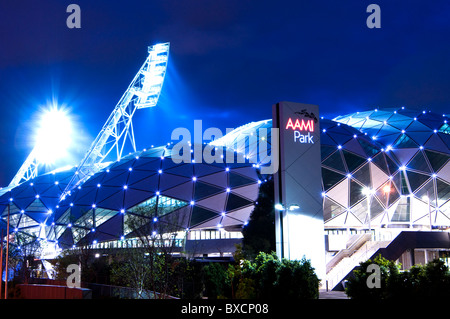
(443, 190)
(419, 163)
(26, 221)
(392, 166)
(326, 151)
(235, 201)
(167, 205)
(402, 213)
(370, 149)
(445, 129)
(65, 218)
(380, 161)
(146, 208)
(403, 184)
(353, 161)
(375, 208)
(335, 161)
(394, 195)
(204, 190)
(102, 215)
(330, 178)
(331, 209)
(79, 233)
(385, 192)
(13, 219)
(59, 230)
(238, 180)
(356, 192)
(416, 180)
(36, 206)
(12, 209)
(437, 160)
(427, 191)
(404, 142)
(360, 211)
(200, 215)
(87, 220)
(363, 175)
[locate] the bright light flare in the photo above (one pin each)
(54, 135)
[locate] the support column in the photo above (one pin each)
(298, 185)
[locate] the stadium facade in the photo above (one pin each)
(384, 172)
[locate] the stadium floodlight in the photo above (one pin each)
(52, 139)
(143, 92)
(53, 136)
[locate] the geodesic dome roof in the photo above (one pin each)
(32, 204)
(403, 129)
(405, 151)
(417, 142)
(191, 195)
(401, 150)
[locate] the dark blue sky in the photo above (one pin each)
(230, 60)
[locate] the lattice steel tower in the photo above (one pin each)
(143, 92)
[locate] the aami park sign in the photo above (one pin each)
(298, 185)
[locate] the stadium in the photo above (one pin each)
(385, 174)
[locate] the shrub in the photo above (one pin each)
(420, 281)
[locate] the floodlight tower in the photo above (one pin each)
(143, 92)
(27, 171)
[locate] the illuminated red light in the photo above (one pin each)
(300, 125)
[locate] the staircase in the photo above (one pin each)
(359, 250)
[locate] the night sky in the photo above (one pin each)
(230, 60)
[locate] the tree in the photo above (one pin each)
(267, 277)
(216, 280)
(151, 265)
(259, 233)
(357, 287)
(24, 250)
(291, 279)
(420, 281)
